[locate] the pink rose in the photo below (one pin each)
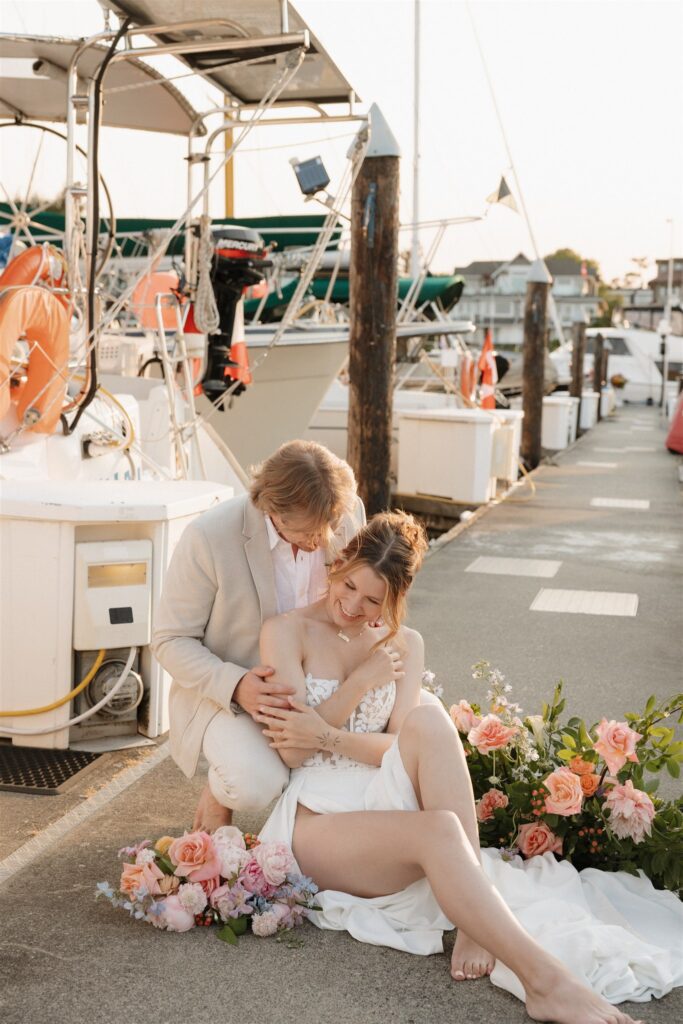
(536, 838)
(488, 803)
(175, 917)
(565, 794)
(253, 879)
(491, 734)
(275, 860)
(210, 884)
(616, 744)
(631, 812)
(137, 876)
(463, 716)
(194, 856)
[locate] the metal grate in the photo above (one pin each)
(38, 770)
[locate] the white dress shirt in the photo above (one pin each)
(298, 581)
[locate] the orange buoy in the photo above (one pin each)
(143, 301)
(38, 263)
(36, 315)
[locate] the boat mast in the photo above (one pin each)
(415, 248)
(665, 325)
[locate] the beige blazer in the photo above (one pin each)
(219, 588)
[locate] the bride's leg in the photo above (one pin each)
(375, 853)
(434, 758)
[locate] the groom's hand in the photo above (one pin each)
(255, 691)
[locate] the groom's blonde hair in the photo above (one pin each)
(305, 479)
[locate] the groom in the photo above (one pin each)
(236, 565)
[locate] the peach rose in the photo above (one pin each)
(630, 812)
(589, 783)
(565, 794)
(616, 744)
(581, 767)
(488, 803)
(491, 734)
(536, 838)
(463, 716)
(194, 856)
(137, 876)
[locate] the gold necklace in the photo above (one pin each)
(347, 639)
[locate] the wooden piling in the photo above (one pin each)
(533, 357)
(578, 353)
(598, 368)
(373, 280)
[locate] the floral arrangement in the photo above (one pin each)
(577, 792)
(228, 879)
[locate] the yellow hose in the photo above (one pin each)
(63, 700)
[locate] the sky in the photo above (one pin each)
(590, 94)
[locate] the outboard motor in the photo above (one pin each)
(239, 262)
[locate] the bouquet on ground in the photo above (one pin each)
(227, 879)
(580, 793)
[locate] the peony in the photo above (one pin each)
(631, 812)
(175, 917)
(275, 860)
(536, 838)
(229, 834)
(231, 859)
(589, 783)
(463, 716)
(581, 767)
(135, 877)
(192, 897)
(565, 794)
(488, 803)
(194, 856)
(253, 879)
(491, 734)
(616, 744)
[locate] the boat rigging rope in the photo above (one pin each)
(206, 315)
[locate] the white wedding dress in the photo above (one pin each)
(616, 932)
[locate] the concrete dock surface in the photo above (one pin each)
(69, 958)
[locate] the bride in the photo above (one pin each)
(379, 810)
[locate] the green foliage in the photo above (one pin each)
(543, 744)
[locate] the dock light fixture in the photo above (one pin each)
(311, 175)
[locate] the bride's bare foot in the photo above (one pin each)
(469, 960)
(563, 999)
(210, 815)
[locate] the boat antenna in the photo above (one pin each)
(415, 248)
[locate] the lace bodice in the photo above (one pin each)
(371, 715)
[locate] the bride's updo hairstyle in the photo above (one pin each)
(393, 545)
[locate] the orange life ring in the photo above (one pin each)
(468, 376)
(36, 315)
(39, 263)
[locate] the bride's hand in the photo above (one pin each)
(301, 727)
(378, 669)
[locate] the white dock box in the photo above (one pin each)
(558, 414)
(447, 453)
(507, 467)
(56, 537)
(589, 409)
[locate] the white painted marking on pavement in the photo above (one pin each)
(619, 503)
(599, 465)
(515, 567)
(585, 602)
(639, 448)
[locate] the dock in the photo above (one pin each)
(581, 579)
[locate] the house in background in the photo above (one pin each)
(645, 307)
(495, 291)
